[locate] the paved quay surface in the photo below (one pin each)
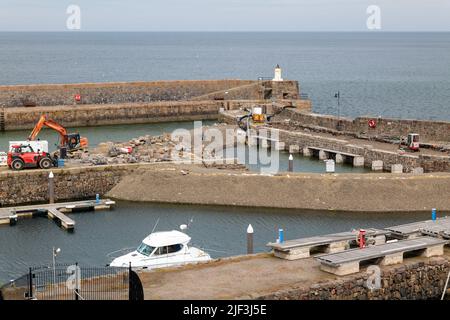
(241, 278)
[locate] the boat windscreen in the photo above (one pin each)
(145, 249)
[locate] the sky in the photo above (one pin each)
(225, 15)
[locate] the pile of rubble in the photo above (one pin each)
(149, 149)
(143, 149)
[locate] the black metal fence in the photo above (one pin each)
(73, 282)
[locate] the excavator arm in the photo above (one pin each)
(43, 121)
(37, 128)
(75, 143)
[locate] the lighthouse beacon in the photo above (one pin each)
(277, 76)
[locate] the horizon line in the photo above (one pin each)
(228, 31)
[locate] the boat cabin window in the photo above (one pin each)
(174, 248)
(169, 249)
(145, 249)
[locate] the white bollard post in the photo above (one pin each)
(249, 239)
(291, 163)
(51, 187)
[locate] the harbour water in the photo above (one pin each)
(405, 75)
(219, 230)
(123, 133)
(388, 74)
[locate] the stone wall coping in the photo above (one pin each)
(366, 117)
(58, 86)
(85, 107)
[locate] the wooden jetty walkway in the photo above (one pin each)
(349, 261)
(55, 211)
(336, 242)
(438, 227)
(386, 246)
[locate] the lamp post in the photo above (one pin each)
(337, 95)
(55, 252)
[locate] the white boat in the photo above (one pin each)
(162, 249)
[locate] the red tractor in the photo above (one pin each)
(23, 156)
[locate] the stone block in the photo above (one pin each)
(358, 161)
(377, 165)
(397, 168)
(343, 269)
(339, 158)
(323, 155)
(293, 254)
(307, 152)
(434, 251)
(394, 258)
(279, 145)
(418, 170)
(293, 148)
(337, 247)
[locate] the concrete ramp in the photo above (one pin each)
(349, 261)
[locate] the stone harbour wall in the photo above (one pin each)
(129, 113)
(92, 115)
(31, 186)
(162, 182)
(310, 140)
(139, 92)
(138, 102)
(429, 163)
(412, 280)
(433, 131)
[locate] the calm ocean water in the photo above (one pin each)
(404, 75)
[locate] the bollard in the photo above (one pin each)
(291, 163)
(281, 235)
(250, 239)
(330, 166)
(97, 198)
(362, 238)
(433, 214)
(51, 187)
(13, 219)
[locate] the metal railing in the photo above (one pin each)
(72, 282)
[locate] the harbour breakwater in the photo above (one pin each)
(195, 184)
(299, 131)
(434, 132)
(410, 162)
(138, 102)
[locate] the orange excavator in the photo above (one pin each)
(69, 141)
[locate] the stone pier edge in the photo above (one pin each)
(31, 186)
